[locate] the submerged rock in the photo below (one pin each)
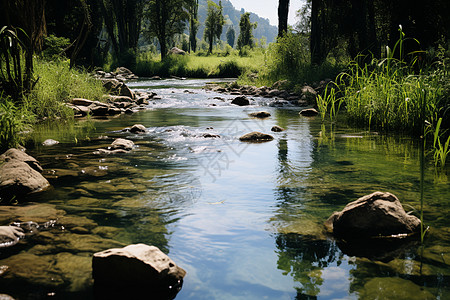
(260, 114)
(136, 265)
(277, 128)
(49, 142)
(309, 112)
(376, 215)
(256, 137)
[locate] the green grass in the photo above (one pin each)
(199, 65)
(57, 85)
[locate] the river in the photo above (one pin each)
(244, 220)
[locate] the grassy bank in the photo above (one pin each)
(199, 65)
(57, 84)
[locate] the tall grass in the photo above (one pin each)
(14, 121)
(57, 85)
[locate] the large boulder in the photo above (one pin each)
(376, 215)
(136, 265)
(256, 137)
(309, 112)
(260, 114)
(20, 175)
(122, 144)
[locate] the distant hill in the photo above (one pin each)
(232, 17)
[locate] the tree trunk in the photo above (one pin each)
(283, 12)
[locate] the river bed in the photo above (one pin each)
(244, 220)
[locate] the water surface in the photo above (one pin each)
(244, 220)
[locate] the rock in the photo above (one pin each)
(18, 178)
(309, 94)
(98, 110)
(260, 114)
(125, 91)
(10, 235)
(277, 128)
(123, 71)
(177, 51)
(309, 112)
(122, 144)
(279, 103)
(49, 142)
(138, 128)
(280, 84)
(111, 84)
(81, 102)
(256, 137)
(14, 153)
(113, 98)
(155, 78)
(241, 101)
(6, 297)
(376, 215)
(274, 93)
(136, 265)
(211, 135)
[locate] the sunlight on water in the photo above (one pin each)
(244, 220)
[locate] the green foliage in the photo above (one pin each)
(15, 81)
(441, 149)
(165, 18)
(231, 36)
(245, 35)
(328, 102)
(54, 47)
(289, 59)
(225, 63)
(13, 122)
(213, 24)
(57, 85)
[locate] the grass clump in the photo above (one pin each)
(57, 85)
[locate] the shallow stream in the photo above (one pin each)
(244, 220)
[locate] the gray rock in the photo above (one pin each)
(376, 215)
(125, 91)
(136, 265)
(256, 137)
(241, 101)
(309, 112)
(122, 144)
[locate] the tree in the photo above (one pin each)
(193, 24)
(165, 19)
(246, 36)
(214, 23)
(123, 23)
(231, 36)
(283, 12)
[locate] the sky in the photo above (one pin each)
(268, 9)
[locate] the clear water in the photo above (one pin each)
(244, 220)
